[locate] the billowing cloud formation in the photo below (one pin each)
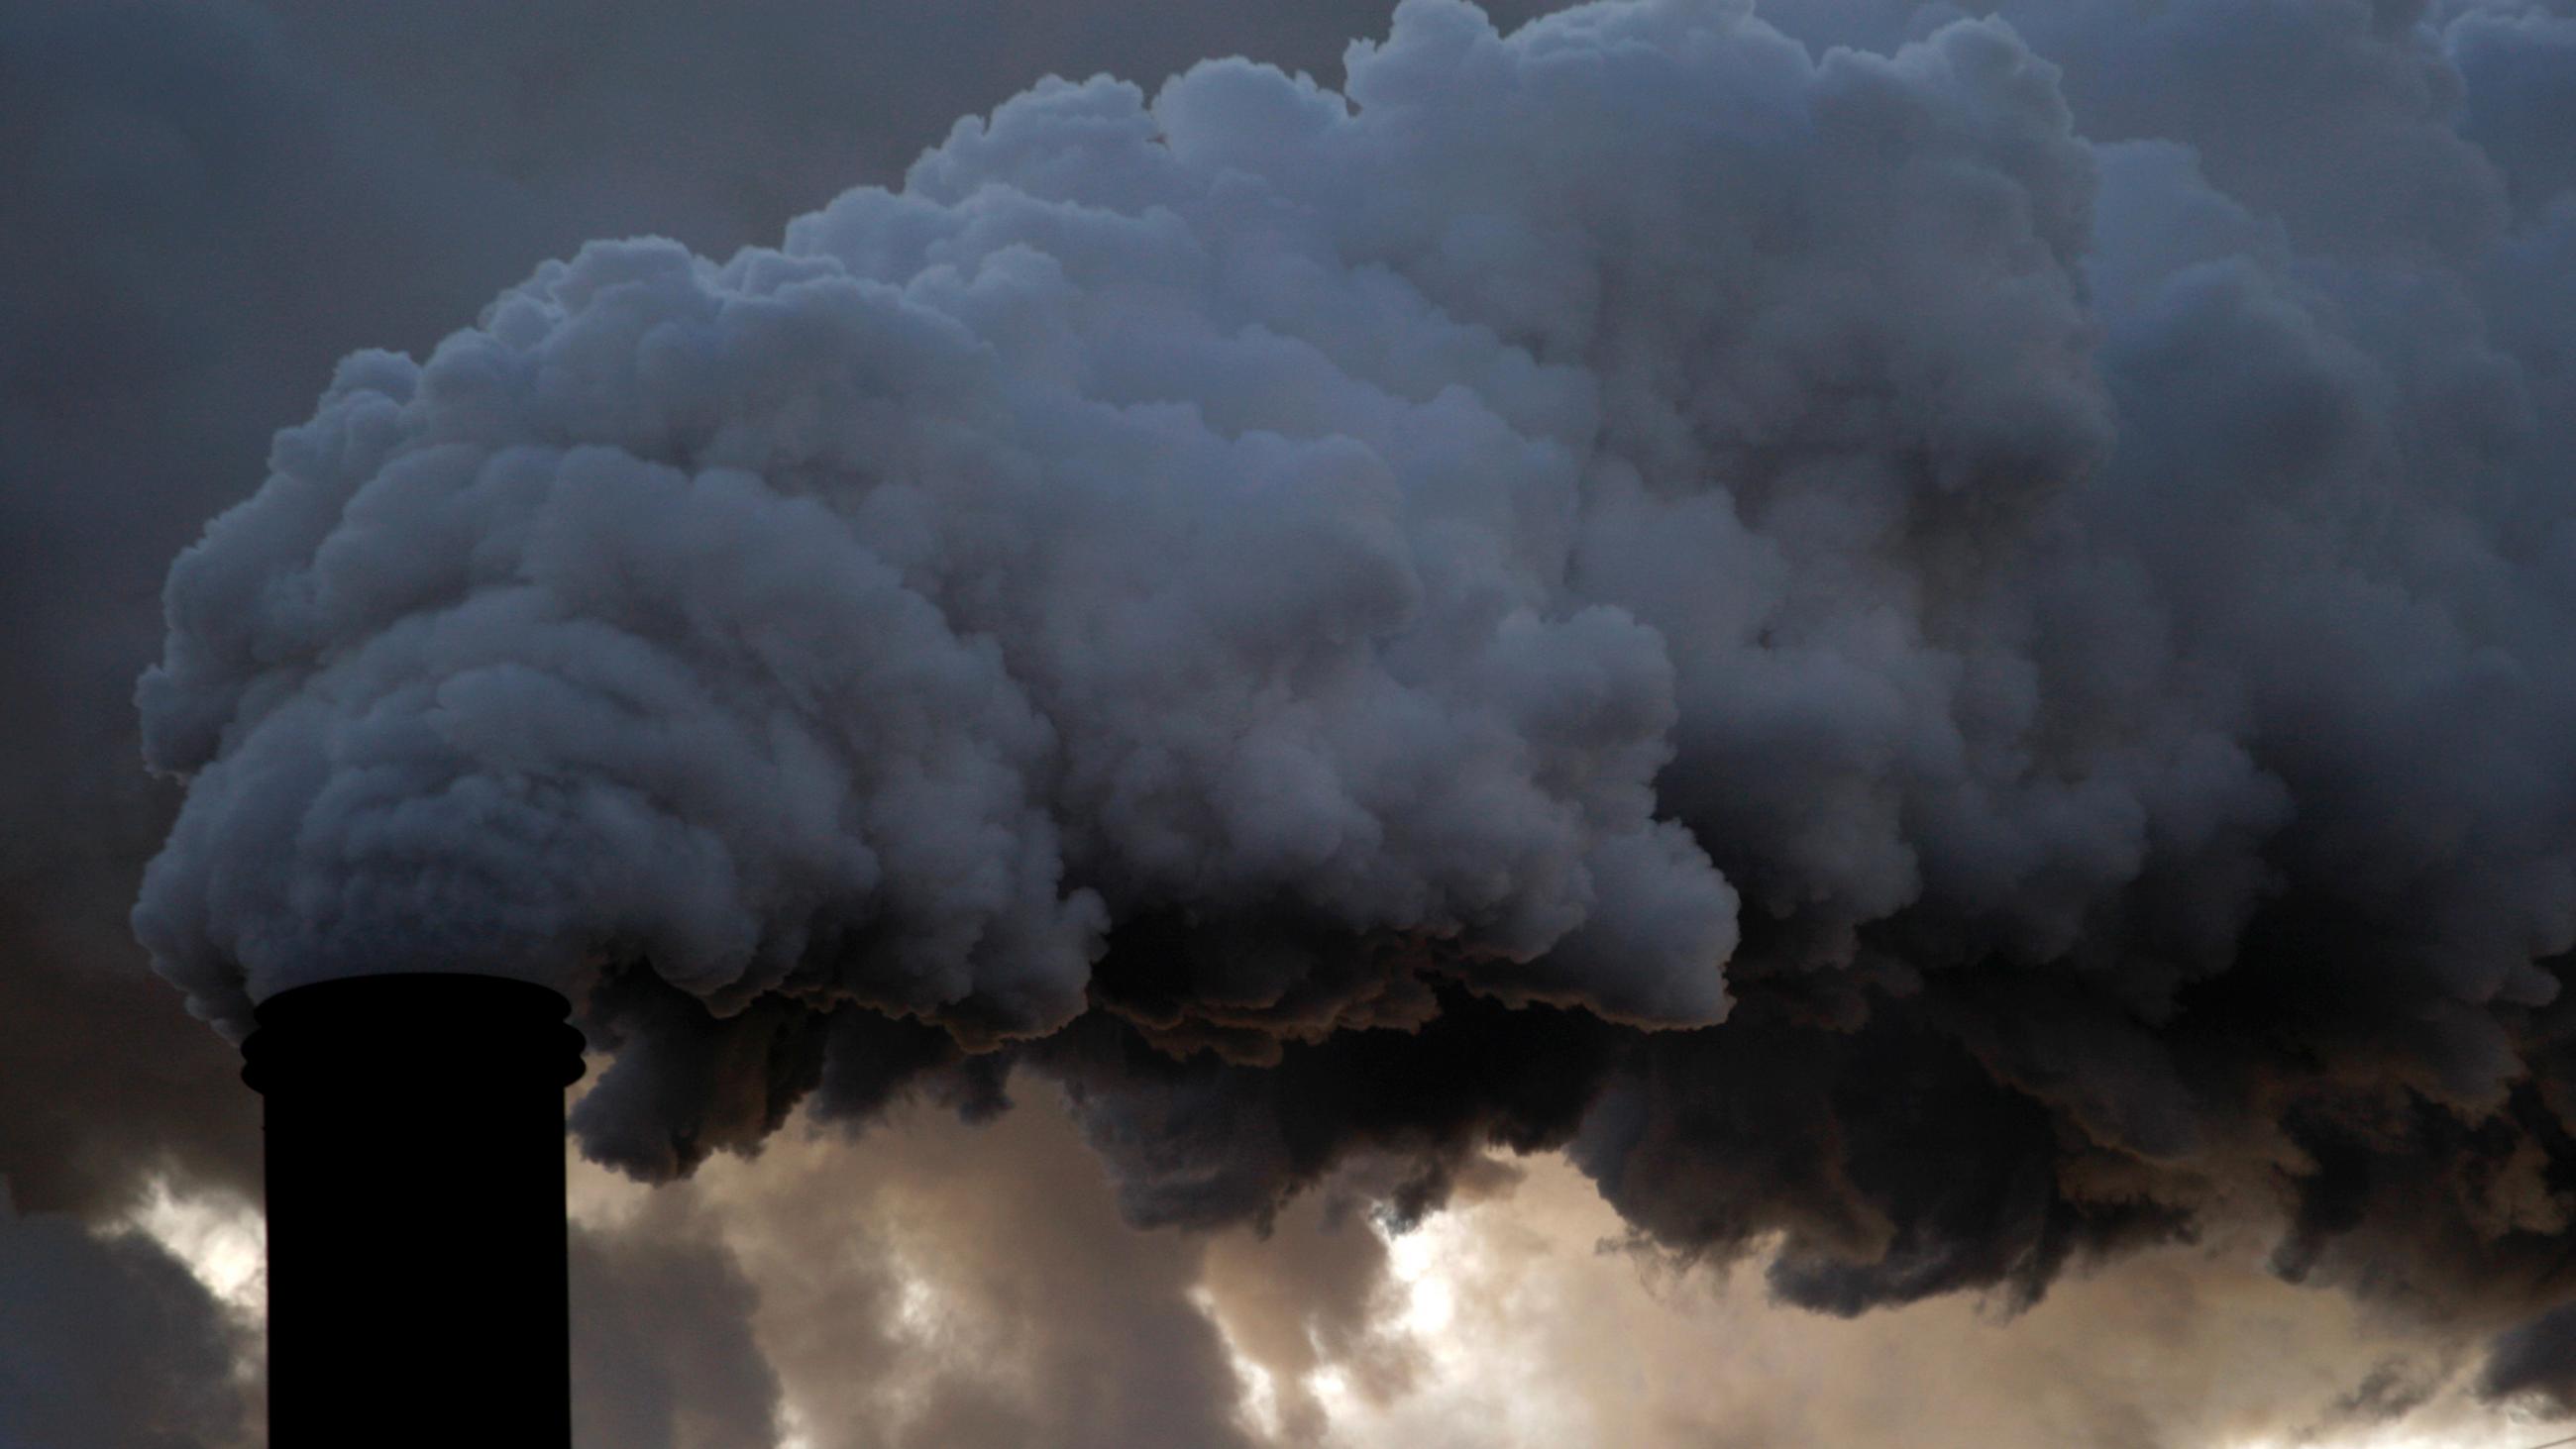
(1377, 618)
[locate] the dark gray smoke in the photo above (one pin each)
(211, 200)
(107, 1341)
(1953, 650)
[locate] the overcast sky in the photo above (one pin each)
(2039, 544)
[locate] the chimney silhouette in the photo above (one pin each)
(416, 1234)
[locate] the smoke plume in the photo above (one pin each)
(1950, 652)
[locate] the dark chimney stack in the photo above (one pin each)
(416, 1233)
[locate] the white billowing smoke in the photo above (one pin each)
(1515, 511)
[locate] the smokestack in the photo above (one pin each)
(416, 1238)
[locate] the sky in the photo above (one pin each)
(1708, 725)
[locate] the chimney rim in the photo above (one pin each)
(478, 1020)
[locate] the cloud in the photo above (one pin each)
(105, 1340)
(945, 1282)
(662, 1354)
(960, 1286)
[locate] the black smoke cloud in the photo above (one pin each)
(1953, 651)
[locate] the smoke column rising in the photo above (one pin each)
(1953, 651)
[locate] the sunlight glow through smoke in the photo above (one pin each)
(222, 1240)
(1493, 1295)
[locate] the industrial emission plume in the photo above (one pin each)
(1941, 638)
